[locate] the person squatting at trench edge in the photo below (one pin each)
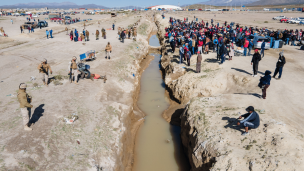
(251, 120)
(44, 68)
(25, 100)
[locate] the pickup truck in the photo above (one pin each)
(278, 17)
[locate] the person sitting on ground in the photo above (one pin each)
(251, 120)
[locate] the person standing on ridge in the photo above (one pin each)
(279, 67)
(256, 58)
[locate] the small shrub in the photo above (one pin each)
(35, 85)
(265, 21)
(56, 82)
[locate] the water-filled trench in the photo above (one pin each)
(158, 145)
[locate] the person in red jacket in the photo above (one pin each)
(246, 44)
(200, 45)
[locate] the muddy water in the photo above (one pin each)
(158, 146)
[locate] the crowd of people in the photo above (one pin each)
(201, 38)
(194, 36)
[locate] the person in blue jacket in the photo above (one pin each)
(250, 47)
(47, 34)
(51, 33)
(215, 42)
(251, 120)
(263, 48)
(265, 83)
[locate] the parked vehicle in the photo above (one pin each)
(301, 22)
(31, 23)
(113, 14)
(258, 40)
(279, 17)
(42, 23)
(35, 16)
(296, 20)
(302, 41)
(16, 14)
(55, 19)
(67, 18)
(285, 20)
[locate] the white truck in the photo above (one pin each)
(279, 17)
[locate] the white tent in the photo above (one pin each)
(166, 7)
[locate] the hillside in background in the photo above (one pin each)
(228, 2)
(62, 5)
(276, 2)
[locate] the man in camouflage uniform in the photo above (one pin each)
(73, 68)
(103, 31)
(44, 71)
(87, 35)
(97, 34)
(25, 100)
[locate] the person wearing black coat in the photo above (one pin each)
(122, 36)
(279, 67)
(222, 52)
(255, 62)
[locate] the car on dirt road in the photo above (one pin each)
(55, 19)
(30, 23)
(296, 20)
(285, 20)
(42, 23)
(278, 17)
(258, 40)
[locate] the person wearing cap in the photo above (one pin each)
(251, 120)
(108, 50)
(198, 62)
(24, 100)
(279, 67)
(265, 83)
(256, 58)
(44, 69)
(73, 68)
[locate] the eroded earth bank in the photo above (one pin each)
(207, 104)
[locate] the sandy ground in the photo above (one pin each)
(101, 107)
(233, 80)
